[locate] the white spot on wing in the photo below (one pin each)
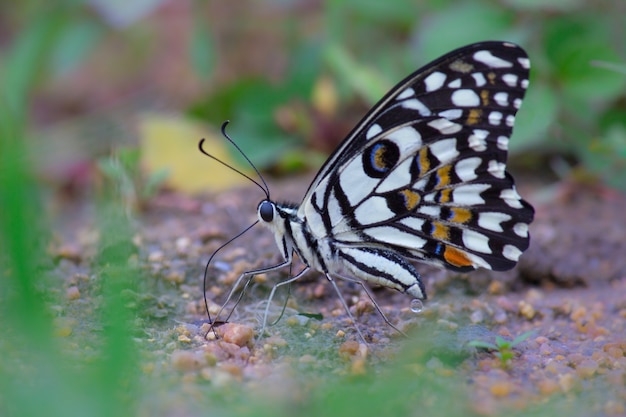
(490, 60)
(451, 114)
(334, 210)
(510, 79)
(407, 138)
(501, 98)
(455, 83)
(434, 81)
(409, 92)
(314, 219)
(415, 104)
(373, 210)
(400, 178)
(521, 229)
(479, 78)
(524, 62)
(445, 126)
(492, 220)
(414, 223)
(465, 169)
(476, 241)
(511, 198)
(524, 83)
(431, 211)
(511, 252)
(469, 194)
(478, 141)
(394, 236)
(420, 184)
(503, 143)
(355, 183)
(465, 98)
(517, 103)
(510, 120)
(495, 118)
(445, 150)
(496, 168)
(373, 131)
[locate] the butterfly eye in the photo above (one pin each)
(266, 211)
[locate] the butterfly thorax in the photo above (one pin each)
(292, 234)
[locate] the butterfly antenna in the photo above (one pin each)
(263, 187)
(206, 271)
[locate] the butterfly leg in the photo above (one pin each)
(373, 300)
(345, 306)
(246, 275)
(274, 288)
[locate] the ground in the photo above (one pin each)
(566, 296)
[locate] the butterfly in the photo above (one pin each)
(422, 177)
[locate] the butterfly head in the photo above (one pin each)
(267, 211)
(275, 216)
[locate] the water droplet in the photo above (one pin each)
(416, 305)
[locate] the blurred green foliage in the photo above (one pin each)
(576, 107)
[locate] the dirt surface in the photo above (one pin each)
(569, 290)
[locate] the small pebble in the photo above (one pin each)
(156, 256)
(182, 244)
(567, 382)
(578, 313)
(349, 348)
(501, 389)
(363, 307)
(238, 334)
(500, 317)
(495, 287)
(186, 361)
(72, 293)
(477, 317)
(587, 368)
(545, 349)
(64, 326)
(526, 310)
(70, 252)
(547, 386)
(175, 277)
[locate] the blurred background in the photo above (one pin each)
(146, 79)
(119, 92)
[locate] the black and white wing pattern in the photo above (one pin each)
(423, 176)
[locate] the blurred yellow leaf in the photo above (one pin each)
(171, 142)
(324, 97)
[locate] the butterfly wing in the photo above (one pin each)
(423, 175)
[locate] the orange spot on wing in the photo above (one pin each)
(411, 199)
(379, 157)
(456, 257)
(444, 196)
(440, 231)
(484, 95)
(423, 161)
(474, 116)
(460, 215)
(443, 177)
